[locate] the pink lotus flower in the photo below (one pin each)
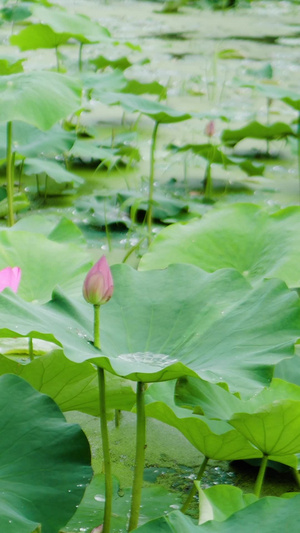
(10, 277)
(98, 285)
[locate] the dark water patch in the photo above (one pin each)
(263, 39)
(170, 36)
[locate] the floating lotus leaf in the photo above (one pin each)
(240, 236)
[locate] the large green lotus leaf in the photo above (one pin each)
(214, 155)
(54, 227)
(269, 420)
(53, 169)
(216, 402)
(274, 429)
(78, 26)
(213, 438)
(272, 515)
(44, 461)
(291, 98)
(154, 110)
(240, 236)
(38, 36)
(155, 501)
(220, 502)
(163, 324)
(26, 97)
(44, 263)
(255, 130)
(73, 386)
(31, 142)
(10, 66)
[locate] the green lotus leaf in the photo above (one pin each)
(53, 169)
(274, 513)
(155, 501)
(29, 141)
(274, 429)
(73, 386)
(163, 324)
(220, 502)
(11, 66)
(55, 228)
(77, 25)
(44, 263)
(26, 97)
(38, 36)
(255, 130)
(214, 155)
(45, 462)
(240, 236)
(155, 110)
(213, 438)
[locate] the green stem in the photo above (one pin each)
(139, 458)
(57, 59)
(193, 490)
(132, 249)
(151, 181)
(104, 430)
(208, 181)
(10, 175)
(117, 417)
(261, 475)
(30, 349)
(298, 146)
(80, 57)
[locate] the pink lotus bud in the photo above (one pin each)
(10, 277)
(98, 285)
(210, 128)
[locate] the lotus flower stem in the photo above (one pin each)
(80, 57)
(104, 429)
(139, 457)
(193, 490)
(261, 474)
(296, 476)
(151, 181)
(10, 174)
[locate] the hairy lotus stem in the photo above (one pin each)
(30, 348)
(193, 490)
(151, 181)
(139, 457)
(104, 429)
(260, 477)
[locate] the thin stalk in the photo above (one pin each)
(298, 146)
(109, 243)
(57, 59)
(193, 490)
(30, 349)
(208, 181)
(117, 417)
(80, 57)
(21, 173)
(151, 181)
(132, 249)
(104, 430)
(139, 457)
(10, 175)
(46, 189)
(261, 474)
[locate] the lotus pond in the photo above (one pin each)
(149, 266)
